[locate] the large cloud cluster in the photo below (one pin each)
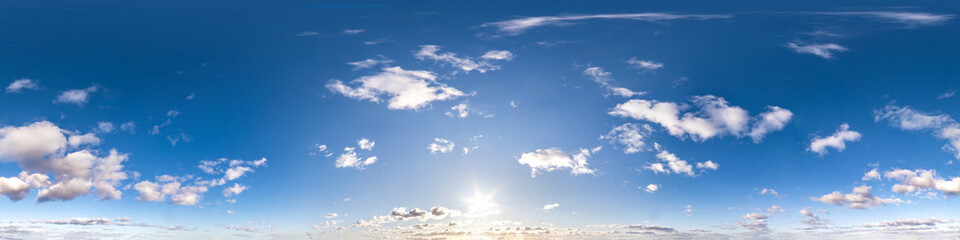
(714, 118)
(42, 149)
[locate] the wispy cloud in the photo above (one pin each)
(521, 25)
(908, 19)
(825, 51)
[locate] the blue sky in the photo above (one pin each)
(431, 119)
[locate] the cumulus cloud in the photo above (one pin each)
(551, 206)
(651, 188)
(21, 84)
(521, 25)
(598, 75)
(182, 191)
(812, 221)
(837, 140)
(825, 50)
(715, 117)
(365, 144)
(236, 189)
(755, 216)
(775, 209)
(774, 119)
(465, 64)
(441, 145)
(403, 214)
(554, 159)
(906, 118)
(872, 174)
(922, 179)
(16, 188)
(350, 159)
(670, 163)
(767, 191)
(407, 89)
(76, 96)
(330, 215)
(44, 148)
(644, 64)
(631, 135)
(859, 199)
(498, 55)
(105, 127)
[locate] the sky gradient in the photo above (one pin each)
(479, 120)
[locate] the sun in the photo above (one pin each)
(481, 204)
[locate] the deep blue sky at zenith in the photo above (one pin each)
(824, 119)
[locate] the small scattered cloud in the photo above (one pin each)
(651, 188)
(861, 198)
(441, 145)
(551, 159)
(22, 84)
(836, 141)
(549, 207)
(715, 118)
(465, 64)
(406, 89)
(646, 65)
(353, 31)
(825, 50)
(78, 97)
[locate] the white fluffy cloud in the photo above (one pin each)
(407, 89)
(825, 51)
(554, 159)
(366, 144)
(672, 164)
(598, 75)
(350, 159)
(859, 199)
(183, 191)
(401, 213)
(871, 175)
(812, 221)
(498, 55)
(921, 180)
(767, 191)
(440, 145)
(76, 96)
(44, 148)
(837, 140)
(551, 206)
(715, 117)
(462, 110)
(236, 189)
(651, 188)
(21, 84)
(644, 64)
(520, 25)
(465, 64)
(631, 135)
(906, 118)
